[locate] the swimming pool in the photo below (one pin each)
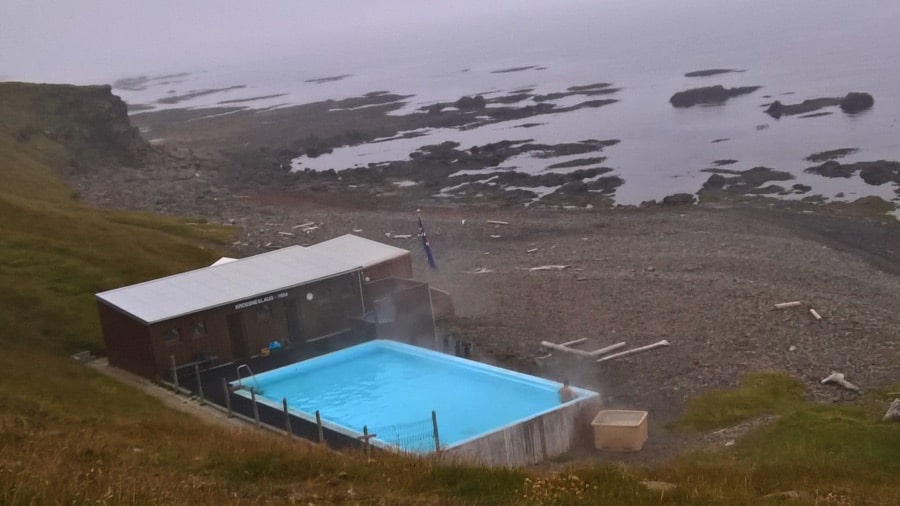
(392, 388)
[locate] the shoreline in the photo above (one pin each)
(577, 174)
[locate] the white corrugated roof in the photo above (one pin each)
(359, 250)
(192, 291)
(223, 260)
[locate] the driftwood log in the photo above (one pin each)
(566, 347)
(635, 350)
(839, 379)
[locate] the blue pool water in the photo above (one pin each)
(392, 389)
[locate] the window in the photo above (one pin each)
(172, 336)
(263, 312)
(199, 329)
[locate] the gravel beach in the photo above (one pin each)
(704, 277)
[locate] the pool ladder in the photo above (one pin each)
(251, 376)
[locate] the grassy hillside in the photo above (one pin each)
(71, 436)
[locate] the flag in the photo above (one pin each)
(425, 244)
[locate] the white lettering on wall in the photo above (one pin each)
(260, 300)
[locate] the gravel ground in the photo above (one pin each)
(704, 279)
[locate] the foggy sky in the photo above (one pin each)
(100, 40)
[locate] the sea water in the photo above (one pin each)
(795, 50)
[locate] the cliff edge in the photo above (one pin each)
(88, 121)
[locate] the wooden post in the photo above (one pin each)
(319, 428)
(255, 407)
(287, 418)
(227, 397)
(174, 372)
(199, 383)
(437, 438)
(366, 439)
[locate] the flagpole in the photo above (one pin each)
(428, 287)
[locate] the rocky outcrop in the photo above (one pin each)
(708, 95)
(831, 154)
(679, 199)
(89, 121)
(855, 102)
(874, 173)
(776, 109)
(851, 103)
(749, 182)
(468, 103)
(710, 72)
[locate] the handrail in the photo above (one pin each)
(252, 376)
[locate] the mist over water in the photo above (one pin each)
(795, 50)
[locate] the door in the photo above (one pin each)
(295, 332)
(237, 336)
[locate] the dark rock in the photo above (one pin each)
(854, 102)
(580, 162)
(715, 181)
(874, 173)
(771, 189)
(878, 173)
(831, 169)
(469, 103)
(748, 182)
(679, 199)
(574, 187)
(776, 109)
(759, 175)
(830, 154)
(708, 95)
(710, 72)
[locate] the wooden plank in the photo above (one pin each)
(635, 350)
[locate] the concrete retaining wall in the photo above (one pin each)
(531, 441)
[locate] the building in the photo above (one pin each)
(298, 296)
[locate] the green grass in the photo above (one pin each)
(842, 450)
(57, 252)
(759, 394)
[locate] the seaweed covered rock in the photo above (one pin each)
(468, 103)
(854, 102)
(708, 95)
(678, 199)
(777, 109)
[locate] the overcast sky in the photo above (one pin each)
(90, 40)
